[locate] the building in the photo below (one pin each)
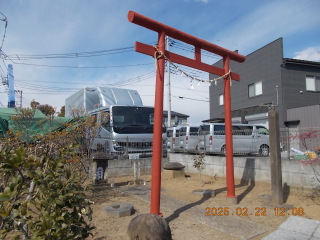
(267, 78)
(182, 118)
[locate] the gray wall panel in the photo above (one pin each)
(266, 65)
(261, 65)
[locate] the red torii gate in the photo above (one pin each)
(199, 44)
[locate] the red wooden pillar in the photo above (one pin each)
(157, 131)
(228, 125)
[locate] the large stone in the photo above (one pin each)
(173, 166)
(173, 173)
(149, 226)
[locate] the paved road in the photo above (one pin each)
(296, 228)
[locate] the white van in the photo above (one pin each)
(173, 138)
(188, 139)
(247, 139)
(182, 138)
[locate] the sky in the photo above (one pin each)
(57, 47)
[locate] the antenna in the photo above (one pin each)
(271, 105)
(277, 96)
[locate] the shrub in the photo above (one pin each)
(43, 189)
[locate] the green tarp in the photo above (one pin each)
(34, 126)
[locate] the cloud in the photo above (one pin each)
(205, 1)
(267, 22)
(101, 82)
(310, 54)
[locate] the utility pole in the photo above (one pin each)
(169, 88)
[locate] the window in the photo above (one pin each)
(180, 121)
(193, 131)
(219, 130)
(183, 131)
(220, 99)
(255, 89)
(151, 118)
(312, 83)
(262, 130)
(204, 129)
(246, 130)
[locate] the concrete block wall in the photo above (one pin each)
(253, 168)
(124, 167)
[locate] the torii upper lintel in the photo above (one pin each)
(156, 26)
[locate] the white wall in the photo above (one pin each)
(254, 169)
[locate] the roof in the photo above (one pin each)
(173, 114)
(294, 122)
(301, 62)
(263, 108)
(214, 120)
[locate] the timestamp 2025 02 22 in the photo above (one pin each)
(259, 211)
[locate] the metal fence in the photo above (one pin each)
(294, 143)
(298, 142)
(126, 147)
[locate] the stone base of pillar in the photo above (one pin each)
(173, 173)
(231, 200)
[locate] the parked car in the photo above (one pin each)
(172, 134)
(247, 139)
(188, 139)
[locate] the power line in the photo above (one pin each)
(3, 60)
(41, 87)
(5, 29)
(3, 71)
(135, 78)
(27, 85)
(189, 48)
(191, 99)
(189, 88)
(71, 55)
(228, 42)
(191, 71)
(60, 90)
(119, 66)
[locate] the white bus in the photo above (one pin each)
(129, 131)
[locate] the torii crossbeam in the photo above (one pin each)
(196, 63)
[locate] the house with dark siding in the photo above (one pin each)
(267, 78)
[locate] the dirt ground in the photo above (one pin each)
(183, 226)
